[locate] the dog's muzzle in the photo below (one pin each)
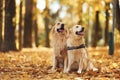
(81, 32)
(61, 29)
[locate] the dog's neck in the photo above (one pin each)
(76, 41)
(59, 40)
(60, 36)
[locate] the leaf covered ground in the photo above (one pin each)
(34, 64)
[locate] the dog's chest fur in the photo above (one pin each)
(77, 53)
(59, 44)
(73, 42)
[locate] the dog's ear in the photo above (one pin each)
(68, 32)
(53, 29)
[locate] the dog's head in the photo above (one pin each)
(59, 28)
(78, 30)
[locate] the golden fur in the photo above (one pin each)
(58, 43)
(77, 55)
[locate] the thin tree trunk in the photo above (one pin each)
(47, 31)
(111, 33)
(107, 27)
(36, 33)
(46, 19)
(96, 29)
(35, 24)
(9, 35)
(89, 41)
(80, 11)
(28, 24)
(117, 14)
(20, 26)
(1, 10)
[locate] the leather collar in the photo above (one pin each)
(76, 47)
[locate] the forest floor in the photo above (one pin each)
(34, 64)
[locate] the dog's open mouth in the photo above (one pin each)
(80, 33)
(61, 29)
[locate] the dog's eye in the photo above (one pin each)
(76, 26)
(58, 23)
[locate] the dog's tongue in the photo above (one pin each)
(61, 30)
(80, 33)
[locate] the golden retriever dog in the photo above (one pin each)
(77, 52)
(58, 42)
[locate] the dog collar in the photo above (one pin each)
(77, 47)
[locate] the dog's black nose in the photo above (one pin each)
(82, 29)
(62, 26)
(58, 23)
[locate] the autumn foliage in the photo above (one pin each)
(34, 64)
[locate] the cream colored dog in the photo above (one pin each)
(77, 51)
(59, 37)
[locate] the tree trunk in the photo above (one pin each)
(36, 33)
(47, 31)
(35, 25)
(106, 27)
(80, 12)
(9, 35)
(117, 14)
(28, 24)
(1, 10)
(20, 25)
(96, 29)
(111, 33)
(46, 21)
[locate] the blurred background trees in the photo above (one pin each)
(20, 25)
(1, 10)
(10, 25)
(117, 13)
(27, 23)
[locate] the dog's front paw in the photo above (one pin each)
(65, 71)
(95, 69)
(79, 71)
